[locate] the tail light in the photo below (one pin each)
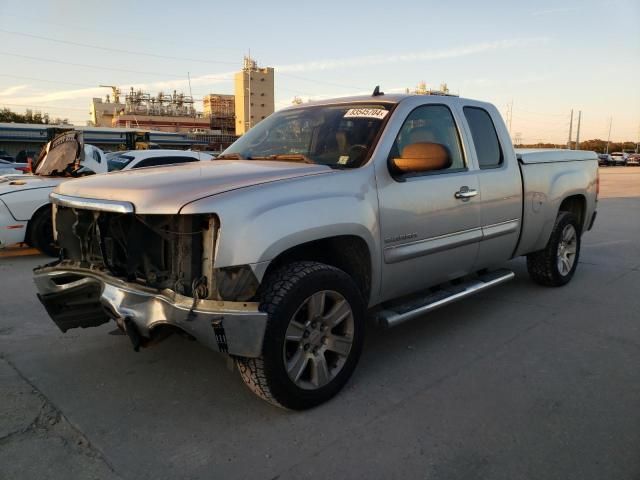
(28, 168)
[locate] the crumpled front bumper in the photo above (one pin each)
(86, 298)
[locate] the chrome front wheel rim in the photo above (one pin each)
(318, 340)
(567, 249)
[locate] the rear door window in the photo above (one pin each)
(485, 137)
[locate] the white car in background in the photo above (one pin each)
(131, 159)
(8, 167)
(25, 212)
(620, 158)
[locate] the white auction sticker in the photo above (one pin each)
(366, 113)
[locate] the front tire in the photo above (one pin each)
(41, 236)
(313, 338)
(556, 264)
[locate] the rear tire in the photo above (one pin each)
(313, 338)
(556, 264)
(41, 236)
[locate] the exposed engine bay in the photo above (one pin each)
(174, 252)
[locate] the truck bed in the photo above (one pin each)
(549, 177)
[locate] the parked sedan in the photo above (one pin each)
(605, 159)
(9, 167)
(619, 158)
(634, 159)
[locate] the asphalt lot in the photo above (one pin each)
(520, 382)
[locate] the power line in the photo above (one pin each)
(543, 113)
(84, 85)
(97, 67)
(321, 81)
(116, 50)
(33, 79)
(45, 107)
(102, 68)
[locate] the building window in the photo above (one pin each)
(262, 104)
(262, 79)
(262, 94)
(263, 117)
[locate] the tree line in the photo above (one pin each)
(597, 145)
(8, 116)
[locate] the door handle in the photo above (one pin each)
(465, 193)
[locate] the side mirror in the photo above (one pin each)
(422, 157)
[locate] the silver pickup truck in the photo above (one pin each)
(324, 214)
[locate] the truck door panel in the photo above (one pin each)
(428, 234)
(500, 187)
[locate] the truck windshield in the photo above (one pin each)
(340, 136)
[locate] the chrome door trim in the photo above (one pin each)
(418, 248)
(498, 229)
(406, 251)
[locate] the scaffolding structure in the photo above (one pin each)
(221, 110)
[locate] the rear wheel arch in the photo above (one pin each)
(577, 205)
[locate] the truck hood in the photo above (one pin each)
(20, 183)
(164, 190)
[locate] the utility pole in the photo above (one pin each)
(510, 116)
(578, 131)
(570, 130)
(609, 136)
(191, 95)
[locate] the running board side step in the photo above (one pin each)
(396, 314)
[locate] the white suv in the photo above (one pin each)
(620, 158)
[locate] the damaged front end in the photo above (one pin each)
(152, 274)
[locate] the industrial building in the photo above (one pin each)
(164, 112)
(254, 92)
(224, 117)
(102, 113)
(172, 112)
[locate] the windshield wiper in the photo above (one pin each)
(230, 156)
(287, 157)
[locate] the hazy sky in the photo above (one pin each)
(547, 57)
